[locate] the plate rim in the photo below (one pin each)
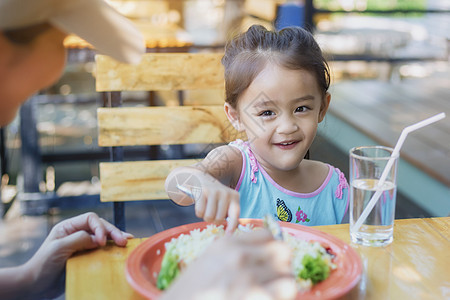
(147, 289)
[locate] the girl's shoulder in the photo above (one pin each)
(317, 169)
(330, 176)
(225, 153)
(310, 178)
(322, 171)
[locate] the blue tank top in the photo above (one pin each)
(261, 195)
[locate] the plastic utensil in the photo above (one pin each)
(186, 191)
(273, 227)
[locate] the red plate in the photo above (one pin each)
(144, 262)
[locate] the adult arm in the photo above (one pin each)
(40, 276)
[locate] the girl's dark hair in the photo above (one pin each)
(247, 54)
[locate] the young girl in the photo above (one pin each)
(276, 92)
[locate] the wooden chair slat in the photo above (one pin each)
(139, 9)
(129, 126)
(204, 97)
(161, 72)
(137, 180)
(200, 77)
(263, 9)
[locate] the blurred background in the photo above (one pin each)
(390, 68)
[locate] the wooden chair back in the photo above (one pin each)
(261, 12)
(158, 125)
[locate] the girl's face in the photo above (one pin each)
(280, 112)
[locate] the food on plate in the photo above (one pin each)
(311, 262)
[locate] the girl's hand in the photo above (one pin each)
(208, 184)
(216, 202)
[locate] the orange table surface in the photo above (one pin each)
(415, 266)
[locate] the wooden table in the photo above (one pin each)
(415, 266)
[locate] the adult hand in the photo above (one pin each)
(87, 231)
(247, 266)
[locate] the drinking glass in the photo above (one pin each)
(366, 166)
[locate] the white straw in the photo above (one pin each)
(389, 164)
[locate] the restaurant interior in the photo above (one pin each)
(390, 68)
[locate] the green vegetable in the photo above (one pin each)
(314, 268)
(169, 271)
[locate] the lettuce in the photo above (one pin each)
(169, 271)
(314, 268)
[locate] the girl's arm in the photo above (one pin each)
(212, 183)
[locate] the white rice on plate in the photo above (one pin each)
(187, 247)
